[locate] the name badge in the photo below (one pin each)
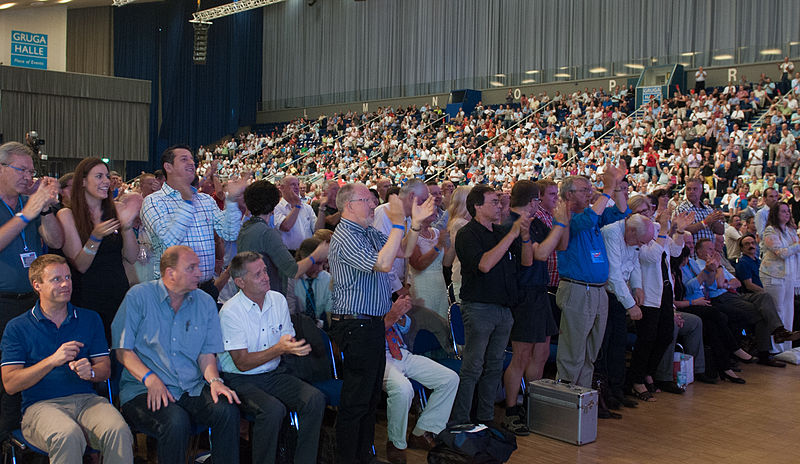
(27, 259)
(597, 256)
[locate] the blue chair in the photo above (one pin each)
(16, 442)
(332, 388)
(426, 342)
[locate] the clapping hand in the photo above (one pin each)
(106, 228)
(128, 209)
(420, 212)
(682, 220)
(522, 226)
(45, 196)
(395, 212)
(235, 188)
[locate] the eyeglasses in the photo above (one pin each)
(30, 172)
(365, 200)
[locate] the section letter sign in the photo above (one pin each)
(28, 50)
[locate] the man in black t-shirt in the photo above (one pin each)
(488, 292)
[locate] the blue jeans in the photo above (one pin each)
(486, 329)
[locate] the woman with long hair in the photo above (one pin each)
(459, 216)
(780, 263)
(98, 235)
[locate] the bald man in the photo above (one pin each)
(293, 218)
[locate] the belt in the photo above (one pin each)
(572, 281)
(16, 296)
(354, 317)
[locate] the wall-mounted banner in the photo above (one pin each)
(28, 50)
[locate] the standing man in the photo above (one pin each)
(583, 271)
(257, 331)
(700, 79)
(167, 334)
(488, 292)
(707, 221)
(447, 193)
(328, 215)
(293, 218)
(412, 193)
(548, 194)
(382, 186)
(770, 198)
(53, 354)
(441, 213)
(23, 227)
(180, 215)
(360, 259)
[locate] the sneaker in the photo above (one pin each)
(513, 422)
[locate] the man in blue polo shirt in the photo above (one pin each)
(583, 267)
(52, 354)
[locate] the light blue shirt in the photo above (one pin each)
(169, 343)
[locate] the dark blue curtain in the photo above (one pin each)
(198, 103)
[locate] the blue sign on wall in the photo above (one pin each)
(28, 50)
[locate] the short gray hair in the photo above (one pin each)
(568, 185)
(639, 223)
(345, 195)
(238, 267)
(415, 186)
(13, 148)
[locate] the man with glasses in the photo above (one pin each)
(583, 271)
(25, 222)
(361, 258)
(413, 192)
(488, 292)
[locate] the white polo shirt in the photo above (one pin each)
(303, 227)
(245, 326)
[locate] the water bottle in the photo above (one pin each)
(682, 380)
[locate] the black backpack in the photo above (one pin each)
(457, 444)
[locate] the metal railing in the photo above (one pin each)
(499, 133)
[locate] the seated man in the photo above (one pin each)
(166, 334)
(757, 309)
(53, 354)
(257, 330)
(402, 365)
(310, 294)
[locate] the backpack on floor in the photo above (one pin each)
(469, 444)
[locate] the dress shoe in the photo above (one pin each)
(426, 441)
(670, 387)
(746, 361)
(769, 360)
(731, 378)
(606, 414)
(395, 455)
(705, 378)
(782, 335)
(613, 403)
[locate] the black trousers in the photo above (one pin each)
(653, 336)
(611, 359)
(362, 344)
(171, 425)
(717, 335)
(10, 405)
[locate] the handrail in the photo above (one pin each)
(450, 166)
(272, 177)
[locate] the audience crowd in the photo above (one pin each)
(217, 281)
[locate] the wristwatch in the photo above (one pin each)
(216, 379)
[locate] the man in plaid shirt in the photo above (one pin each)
(180, 215)
(707, 221)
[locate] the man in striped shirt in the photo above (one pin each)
(180, 215)
(360, 258)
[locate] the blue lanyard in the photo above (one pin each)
(22, 232)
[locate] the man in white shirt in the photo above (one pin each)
(414, 190)
(293, 218)
(625, 295)
(256, 331)
(700, 79)
(770, 198)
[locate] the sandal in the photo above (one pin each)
(645, 396)
(651, 387)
